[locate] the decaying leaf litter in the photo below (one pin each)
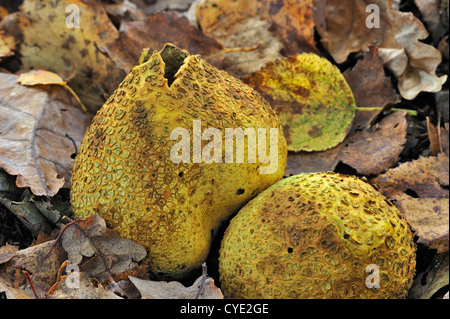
(397, 136)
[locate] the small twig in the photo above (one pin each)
(370, 109)
(30, 281)
(202, 281)
(61, 268)
(76, 97)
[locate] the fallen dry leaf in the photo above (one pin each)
(312, 99)
(398, 36)
(292, 20)
(90, 238)
(40, 130)
(82, 289)
(369, 84)
(435, 16)
(428, 177)
(368, 149)
(272, 28)
(42, 261)
(429, 218)
(373, 149)
(237, 25)
(164, 27)
(58, 44)
(420, 190)
(37, 213)
(37, 77)
(419, 74)
(14, 293)
(174, 290)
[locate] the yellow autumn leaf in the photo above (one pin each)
(36, 77)
(310, 95)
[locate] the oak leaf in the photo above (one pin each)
(398, 37)
(104, 249)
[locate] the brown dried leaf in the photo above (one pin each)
(7, 252)
(368, 149)
(86, 290)
(57, 45)
(372, 150)
(38, 128)
(285, 27)
(398, 38)
(90, 238)
(163, 27)
(420, 189)
(429, 218)
(292, 20)
(435, 17)
(369, 84)
(428, 177)
(42, 261)
(175, 290)
(14, 293)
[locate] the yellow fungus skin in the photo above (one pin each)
(123, 170)
(312, 236)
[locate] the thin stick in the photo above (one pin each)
(76, 97)
(61, 268)
(202, 281)
(370, 109)
(30, 281)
